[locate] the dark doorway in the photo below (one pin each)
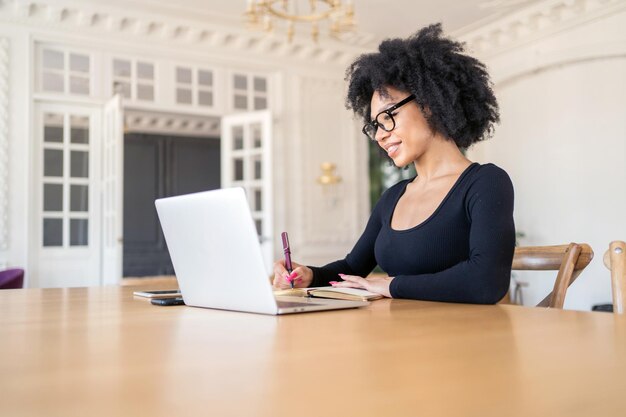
(158, 166)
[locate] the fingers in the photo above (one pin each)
(279, 282)
(279, 267)
(346, 284)
(297, 273)
(279, 275)
(350, 281)
(283, 279)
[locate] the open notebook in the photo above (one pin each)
(352, 294)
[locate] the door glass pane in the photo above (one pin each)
(237, 137)
(53, 128)
(79, 85)
(52, 59)
(52, 197)
(241, 102)
(79, 129)
(52, 163)
(145, 92)
(258, 200)
(205, 78)
(183, 96)
(79, 164)
(258, 172)
(205, 98)
(122, 88)
(79, 63)
(260, 103)
(260, 84)
(257, 139)
(121, 68)
(238, 174)
(259, 227)
(79, 198)
(79, 232)
(53, 232)
(240, 82)
(183, 75)
(145, 71)
(52, 82)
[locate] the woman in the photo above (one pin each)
(447, 234)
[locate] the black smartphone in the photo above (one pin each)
(168, 301)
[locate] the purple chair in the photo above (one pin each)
(11, 278)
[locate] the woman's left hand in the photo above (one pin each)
(379, 285)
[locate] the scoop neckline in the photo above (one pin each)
(434, 213)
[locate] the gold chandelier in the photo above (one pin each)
(262, 14)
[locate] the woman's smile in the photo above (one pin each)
(392, 148)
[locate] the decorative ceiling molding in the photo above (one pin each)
(4, 143)
(136, 121)
(542, 67)
(535, 22)
(97, 20)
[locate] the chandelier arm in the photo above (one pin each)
(269, 6)
(341, 16)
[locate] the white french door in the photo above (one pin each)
(112, 191)
(66, 198)
(246, 161)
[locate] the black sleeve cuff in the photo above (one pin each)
(322, 277)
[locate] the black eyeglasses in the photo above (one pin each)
(384, 119)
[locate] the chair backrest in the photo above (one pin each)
(11, 278)
(569, 260)
(615, 260)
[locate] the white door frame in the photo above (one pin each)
(242, 155)
(112, 178)
(66, 265)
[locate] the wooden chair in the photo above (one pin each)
(615, 260)
(569, 260)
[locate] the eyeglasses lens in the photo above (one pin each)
(370, 130)
(384, 121)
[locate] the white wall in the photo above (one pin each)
(326, 223)
(562, 139)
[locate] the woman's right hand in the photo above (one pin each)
(302, 275)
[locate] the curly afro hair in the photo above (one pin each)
(452, 89)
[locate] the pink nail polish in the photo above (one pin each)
(332, 282)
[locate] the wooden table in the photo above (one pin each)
(99, 351)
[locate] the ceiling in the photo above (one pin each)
(378, 18)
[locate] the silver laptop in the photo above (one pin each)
(217, 259)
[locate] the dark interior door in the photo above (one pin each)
(158, 166)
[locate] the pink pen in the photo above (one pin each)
(287, 251)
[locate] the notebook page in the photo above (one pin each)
(352, 291)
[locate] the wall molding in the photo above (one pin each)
(534, 23)
(140, 121)
(4, 143)
(97, 19)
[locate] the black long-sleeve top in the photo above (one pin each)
(461, 253)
